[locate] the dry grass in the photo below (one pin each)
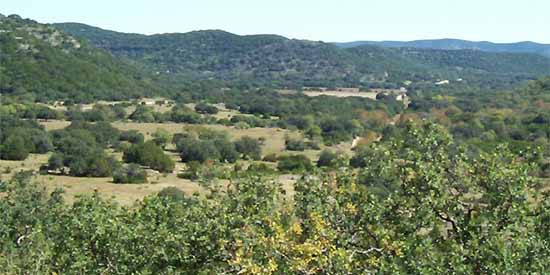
(275, 138)
(51, 125)
(341, 94)
(127, 194)
(370, 95)
(33, 162)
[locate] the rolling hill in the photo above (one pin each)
(41, 63)
(277, 61)
(457, 44)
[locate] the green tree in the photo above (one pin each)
(294, 163)
(249, 147)
(327, 159)
(161, 137)
(149, 154)
(131, 173)
(14, 148)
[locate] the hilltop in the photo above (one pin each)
(278, 61)
(458, 44)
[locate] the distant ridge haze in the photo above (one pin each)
(457, 44)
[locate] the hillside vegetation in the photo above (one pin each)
(38, 61)
(278, 61)
(457, 44)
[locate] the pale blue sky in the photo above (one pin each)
(340, 20)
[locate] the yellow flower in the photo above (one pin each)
(272, 266)
(296, 229)
(351, 208)
(373, 261)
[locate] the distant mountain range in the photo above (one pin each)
(457, 44)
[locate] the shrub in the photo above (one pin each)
(132, 173)
(249, 148)
(327, 159)
(271, 158)
(192, 172)
(294, 163)
(56, 161)
(295, 145)
(143, 114)
(96, 164)
(161, 137)
(132, 136)
(172, 193)
(197, 150)
(14, 148)
(260, 168)
(149, 154)
(203, 108)
(242, 125)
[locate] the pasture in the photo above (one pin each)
(128, 194)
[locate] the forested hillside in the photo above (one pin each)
(39, 62)
(457, 44)
(278, 61)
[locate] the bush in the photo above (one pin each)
(327, 159)
(192, 172)
(197, 150)
(143, 114)
(261, 168)
(227, 150)
(206, 109)
(161, 137)
(295, 145)
(132, 173)
(132, 136)
(249, 148)
(172, 193)
(295, 163)
(241, 125)
(96, 164)
(271, 158)
(14, 148)
(149, 154)
(56, 161)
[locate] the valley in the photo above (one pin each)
(209, 152)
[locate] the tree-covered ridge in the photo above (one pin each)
(278, 61)
(39, 62)
(458, 44)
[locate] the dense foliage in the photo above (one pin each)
(151, 155)
(442, 212)
(278, 61)
(20, 137)
(457, 44)
(42, 63)
(132, 173)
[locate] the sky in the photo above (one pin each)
(329, 21)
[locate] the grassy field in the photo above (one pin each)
(275, 137)
(124, 194)
(370, 95)
(127, 194)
